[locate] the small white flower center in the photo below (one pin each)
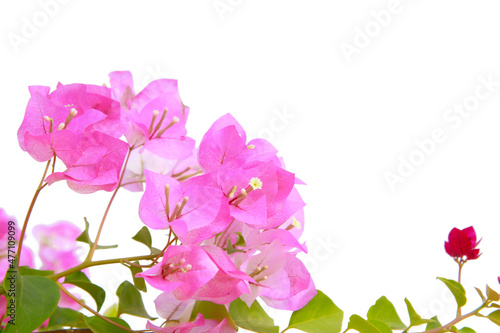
(256, 183)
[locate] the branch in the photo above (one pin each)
(92, 310)
(124, 167)
(458, 319)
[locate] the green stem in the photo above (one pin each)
(87, 264)
(94, 246)
(74, 330)
(460, 265)
(92, 310)
(28, 214)
(458, 319)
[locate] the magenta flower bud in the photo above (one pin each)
(462, 243)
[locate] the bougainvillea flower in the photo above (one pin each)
(139, 161)
(54, 122)
(257, 192)
(462, 243)
(255, 238)
(266, 188)
(301, 287)
(225, 144)
(198, 325)
(170, 308)
(155, 117)
(58, 246)
(183, 270)
(194, 213)
(292, 207)
(94, 164)
(282, 280)
(229, 283)
(86, 98)
(122, 88)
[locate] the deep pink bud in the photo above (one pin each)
(462, 243)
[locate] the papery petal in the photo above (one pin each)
(169, 307)
(171, 148)
(222, 289)
(471, 235)
(183, 283)
(152, 207)
(263, 151)
(99, 162)
(225, 121)
(186, 327)
(224, 146)
(122, 87)
(252, 213)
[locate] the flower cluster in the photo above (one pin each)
(238, 220)
(231, 209)
(80, 125)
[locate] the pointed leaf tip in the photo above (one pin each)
(319, 315)
(130, 301)
(384, 311)
(457, 290)
(252, 318)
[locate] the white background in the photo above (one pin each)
(351, 119)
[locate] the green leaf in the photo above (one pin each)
(231, 249)
(415, 319)
(98, 325)
(80, 280)
(25, 270)
(130, 301)
(381, 326)
(466, 330)
(491, 294)
(64, 317)
(34, 298)
(112, 311)
(144, 237)
(319, 315)
(480, 294)
(457, 290)
(494, 317)
(211, 310)
(241, 240)
(253, 318)
(384, 311)
(85, 238)
(434, 324)
(361, 325)
(139, 282)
